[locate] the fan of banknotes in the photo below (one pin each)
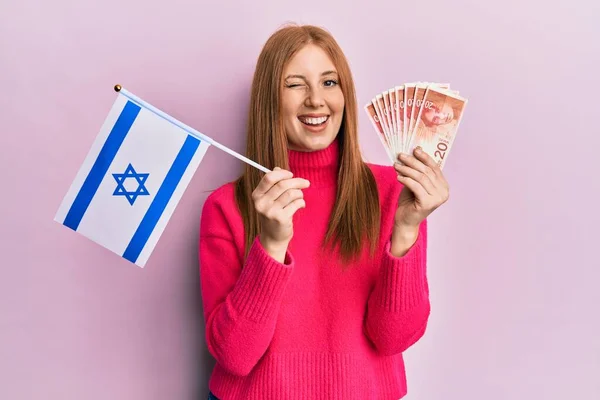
(415, 114)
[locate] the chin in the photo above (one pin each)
(313, 143)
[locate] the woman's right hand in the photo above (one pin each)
(276, 199)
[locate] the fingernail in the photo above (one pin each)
(419, 149)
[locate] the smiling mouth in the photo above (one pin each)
(314, 121)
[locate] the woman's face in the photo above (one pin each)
(312, 100)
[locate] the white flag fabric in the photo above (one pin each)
(131, 180)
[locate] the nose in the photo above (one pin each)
(315, 98)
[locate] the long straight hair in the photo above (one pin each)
(356, 214)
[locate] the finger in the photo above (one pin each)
(288, 197)
(439, 180)
(285, 184)
(428, 161)
(417, 176)
(294, 206)
(270, 179)
(265, 203)
(419, 165)
(414, 186)
(416, 164)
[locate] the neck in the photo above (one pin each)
(320, 167)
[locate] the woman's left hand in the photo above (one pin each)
(425, 189)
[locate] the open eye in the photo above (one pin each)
(330, 83)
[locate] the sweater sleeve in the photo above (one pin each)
(240, 300)
(398, 308)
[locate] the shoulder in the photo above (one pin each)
(220, 214)
(388, 188)
(385, 178)
(223, 196)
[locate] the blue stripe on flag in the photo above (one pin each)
(98, 171)
(141, 235)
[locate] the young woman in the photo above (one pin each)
(313, 276)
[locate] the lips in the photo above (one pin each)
(313, 120)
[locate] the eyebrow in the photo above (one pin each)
(303, 77)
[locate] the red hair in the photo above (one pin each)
(356, 214)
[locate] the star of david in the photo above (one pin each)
(131, 174)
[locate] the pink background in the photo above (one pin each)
(514, 264)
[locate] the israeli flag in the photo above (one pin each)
(132, 179)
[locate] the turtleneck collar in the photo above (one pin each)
(320, 167)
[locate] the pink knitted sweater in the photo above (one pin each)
(307, 329)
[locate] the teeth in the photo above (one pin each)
(313, 121)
